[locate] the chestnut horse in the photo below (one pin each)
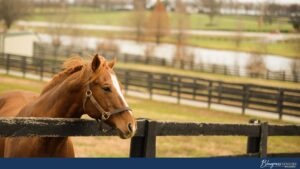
(82, 88)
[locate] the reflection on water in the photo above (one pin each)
(209, 56)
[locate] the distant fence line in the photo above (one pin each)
(143, 144)
(280, 101)
(43, 50)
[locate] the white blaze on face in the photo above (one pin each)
(118, 88)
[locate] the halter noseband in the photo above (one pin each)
(104, 114)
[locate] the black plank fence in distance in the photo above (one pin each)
(44, 50)
(280, 101)
(143, 144)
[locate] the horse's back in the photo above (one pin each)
(10, 105)
(12, 102)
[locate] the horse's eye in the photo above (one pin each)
(107, 89)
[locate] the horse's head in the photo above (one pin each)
(104, 98)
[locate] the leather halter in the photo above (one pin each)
(104, 114)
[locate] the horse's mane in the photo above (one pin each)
(70, 66)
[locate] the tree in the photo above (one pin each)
(181, 22)
(181, 25)
(269, 11)
(108, 48)
(295, 21)
(212, 8)
(295, 64)
(239, 33)
(295, 67)
(57, 23)
(293, 11)
(182, 56)
(248, 7)
(12, 10)
(138, 19)
(149, 51)
(157, 24)
(256, 65)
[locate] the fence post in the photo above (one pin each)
(263, 140)
(280, 103)
(7, 63)
(245, 98)
(178, 89)
(41, 69)
(209, 94)
(164, 62)
(171, 83)
(194, 88)
(192, 65)
(24, 66)
(258, 144)
(268, 72)
(236, 71)
(150, 79)
(54, 65)
(144, 146)
(214, 68)
(220, 92)
(126, 81)
(253, 143)
(201, 67)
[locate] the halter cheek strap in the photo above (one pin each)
(104, 114)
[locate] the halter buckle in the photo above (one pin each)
(105, 116)
(88, 93)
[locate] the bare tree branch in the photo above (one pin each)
(12, 10)
(158, 24)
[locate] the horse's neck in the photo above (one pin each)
(63, 101)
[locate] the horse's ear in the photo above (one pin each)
(112, 63)
(96, 62)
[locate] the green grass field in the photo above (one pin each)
(166, 146)
(196, 21)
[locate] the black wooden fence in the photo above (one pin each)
(280, 101)
(143, 144)
(42, 50)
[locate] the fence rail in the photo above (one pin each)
(143, 144)
(280, 101)
(43, 50)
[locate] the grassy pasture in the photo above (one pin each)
(166, 146)
(197, 21)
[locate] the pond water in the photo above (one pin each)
(209, 56)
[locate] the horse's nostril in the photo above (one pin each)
(129, 127)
